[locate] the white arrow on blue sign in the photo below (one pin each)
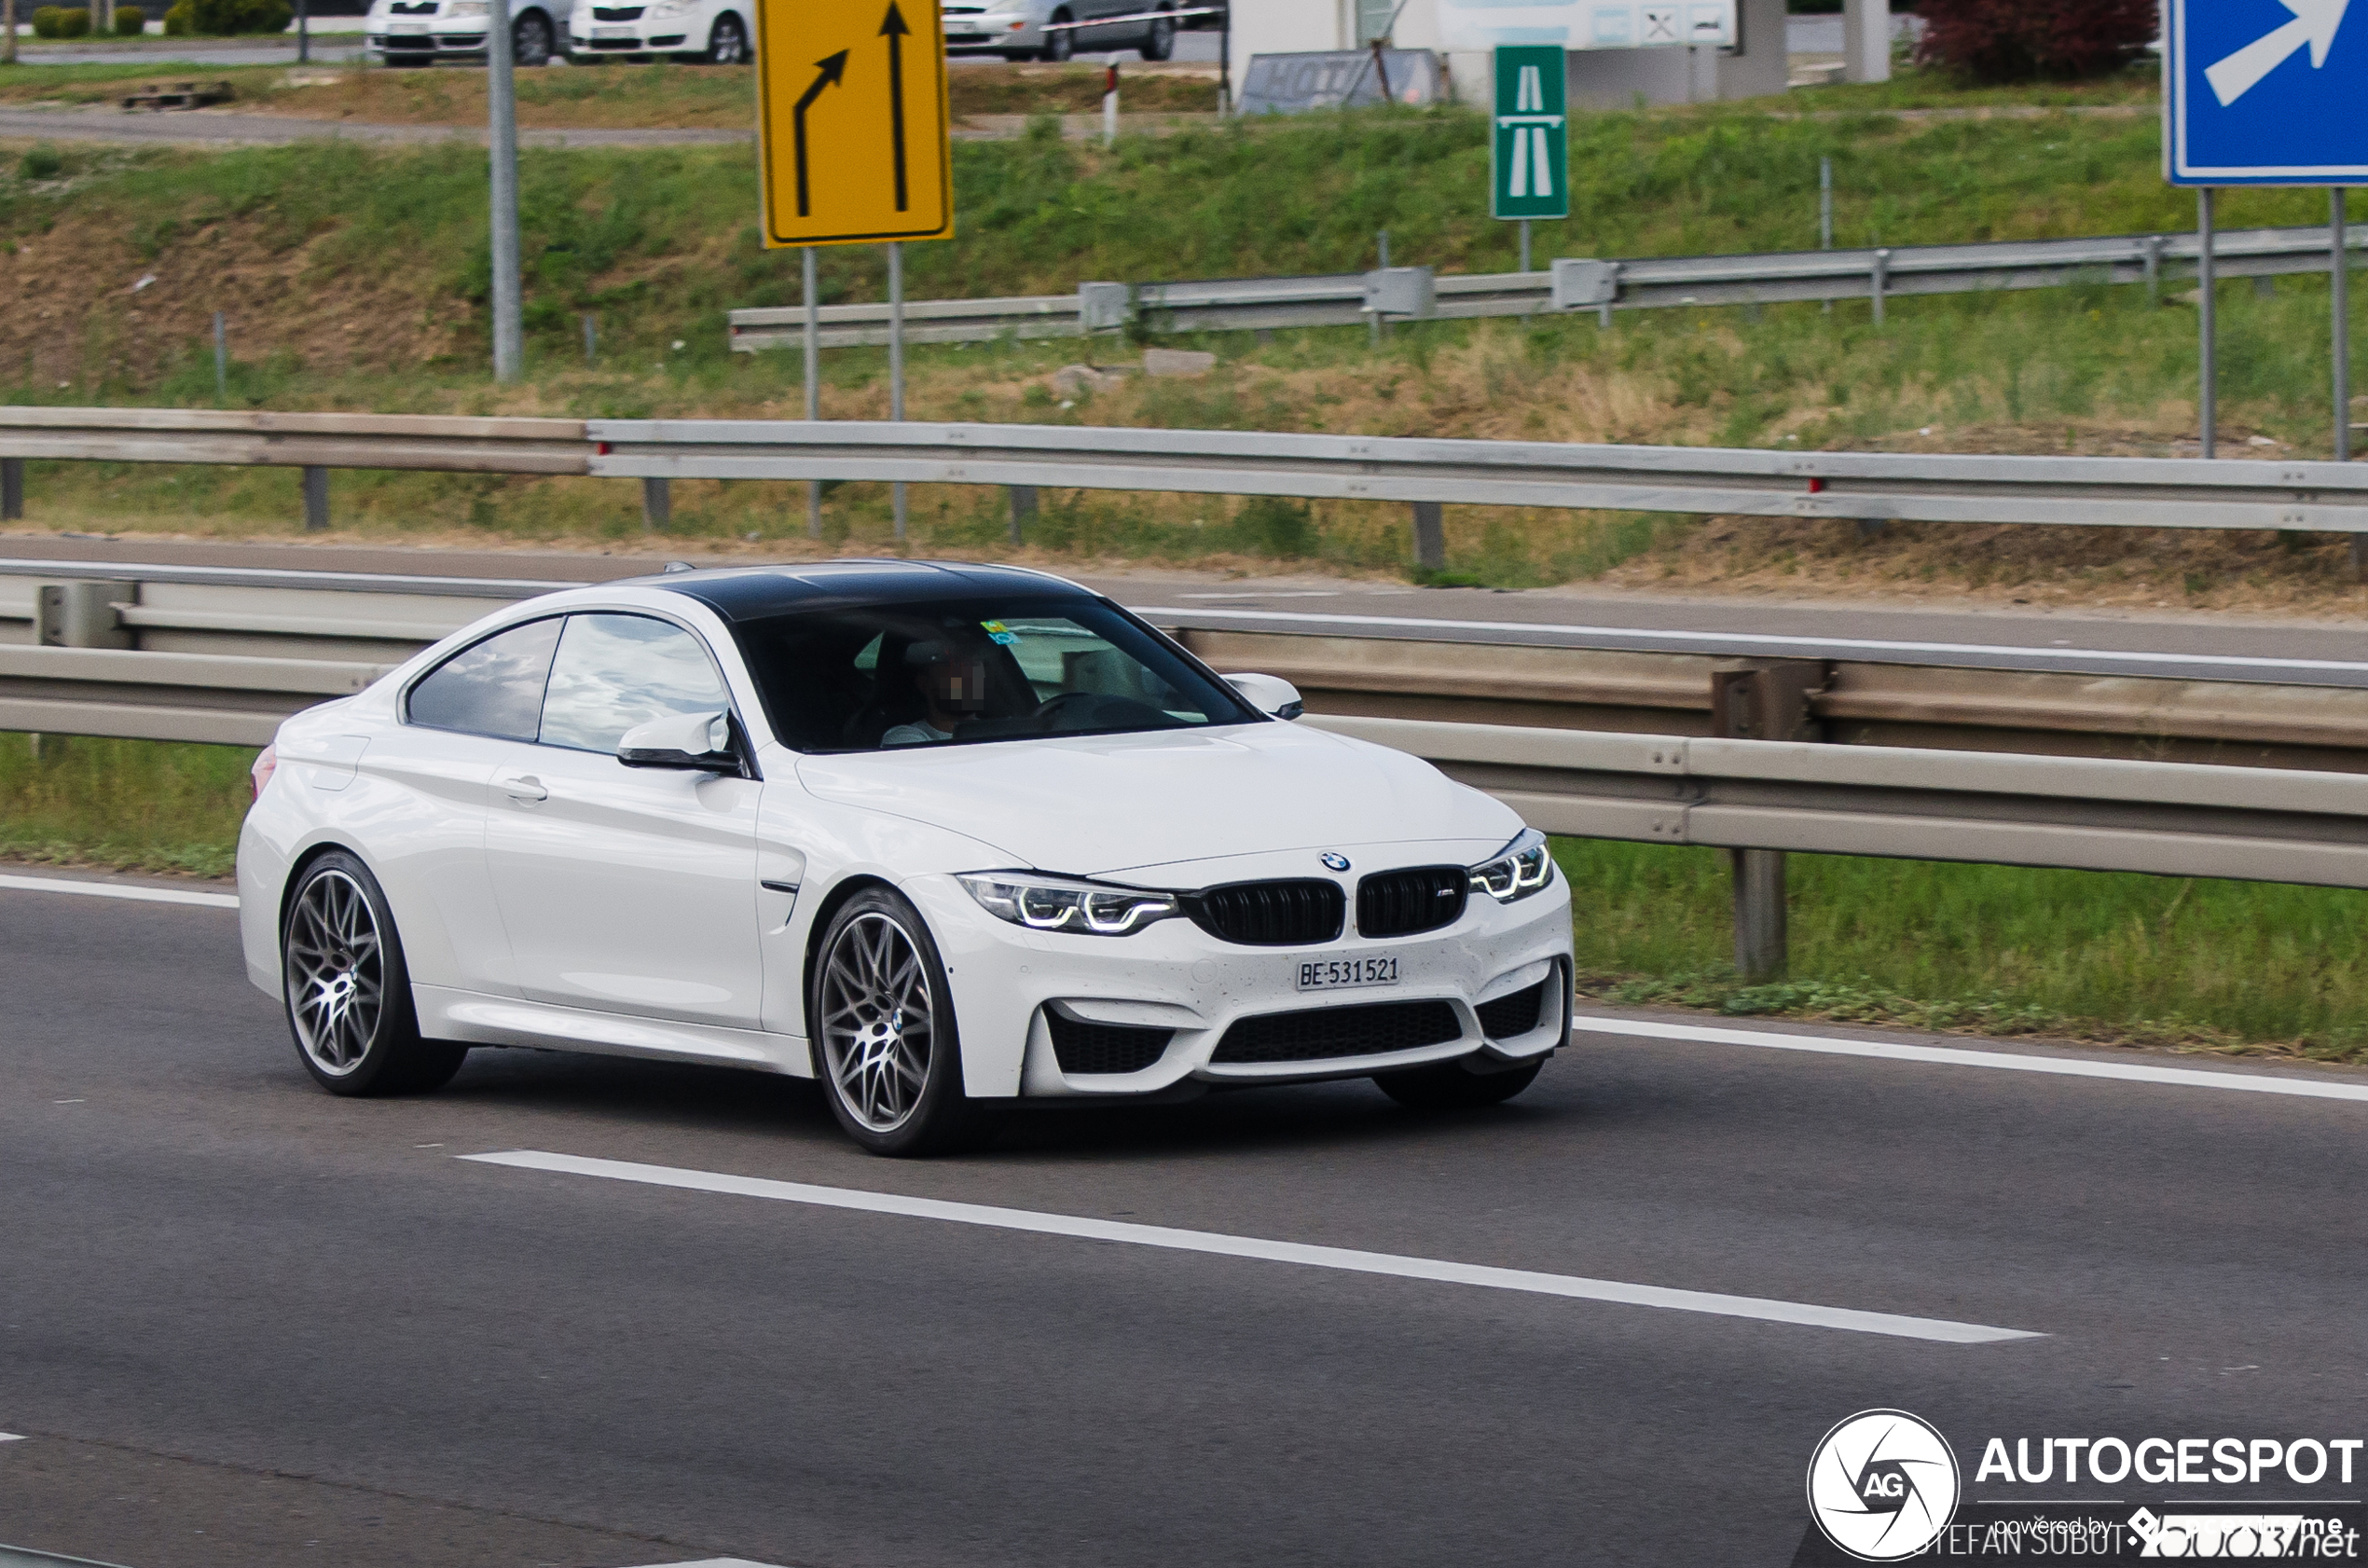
(2265, 92)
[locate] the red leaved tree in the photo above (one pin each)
(2016, 40)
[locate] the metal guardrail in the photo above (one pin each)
(1636, 284)
(2135, 493)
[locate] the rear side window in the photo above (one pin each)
(616, 671)
(490, 688)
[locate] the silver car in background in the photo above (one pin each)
(1031, 30)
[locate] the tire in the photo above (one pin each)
(896, 1088)
(1159, 39)
(728, 44)
(348, 990)
(1452, 1086)
(530, 40)
(1061, 45)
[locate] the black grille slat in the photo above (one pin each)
(1509, 1017)
(1081, 1047)
(1323, 1033)
(1272, 913)
(1398, 903)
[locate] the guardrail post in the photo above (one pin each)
(316, 500)
(82, 614)
(1763, 700)
(1882, 277)
(11, 488)
(1022, 510)
(657, 505)
(1431, 536)
(2153, 269)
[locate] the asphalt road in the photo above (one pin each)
(245, 1324)
(2200, 646)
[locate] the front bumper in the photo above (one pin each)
(662, 35)
(992, 31)
(456, 44)
(1011, 987)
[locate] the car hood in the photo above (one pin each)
(1094, 805)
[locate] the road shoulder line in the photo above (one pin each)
(117, 890)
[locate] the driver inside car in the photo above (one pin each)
(952, 684)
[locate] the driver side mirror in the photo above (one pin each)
(1269, 693)
(693, 742)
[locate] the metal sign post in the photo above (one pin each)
(2246, 103)
(854, 146)
(500, 94)
(1529, 155)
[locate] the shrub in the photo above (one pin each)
(73, 21)
(2016, 40)
(241, 16)
(44, 22)
(181, 19)
(129, 21)
(42, 163)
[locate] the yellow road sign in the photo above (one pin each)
(851, 122)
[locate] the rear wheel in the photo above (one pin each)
(884, 1036)
(348, 990)
(1061, 45)
(530, 40)
(1159, 40)
(1452, 1086)
(728, 44)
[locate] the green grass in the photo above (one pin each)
(1994, 949)
(129, 805)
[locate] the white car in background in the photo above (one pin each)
(1018, 30)
(712, 32)
(950, 839)
(422, 32)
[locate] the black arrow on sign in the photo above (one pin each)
(895, 32)
(834, 69)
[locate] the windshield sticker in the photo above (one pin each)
(997, 632)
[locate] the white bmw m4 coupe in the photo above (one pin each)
(951, 839)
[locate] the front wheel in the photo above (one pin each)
(728, 44)
(530, 40)
(1452, 1086)
(1061, 45)
(349, 991)
(885, 1043)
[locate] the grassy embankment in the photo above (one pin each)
(2147, 960)
(353, 278)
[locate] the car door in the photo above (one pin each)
(459, 720)
(626, 890)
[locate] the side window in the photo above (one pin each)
(490, 688)
(616, 671)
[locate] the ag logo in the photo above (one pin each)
(1882, 1485)
(1333, 861)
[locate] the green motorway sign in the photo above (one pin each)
(1529, 168)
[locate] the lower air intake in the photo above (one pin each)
(1511, 1017)
(1339, 1031)
(1081, 1047)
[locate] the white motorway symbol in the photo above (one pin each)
(2315, 23)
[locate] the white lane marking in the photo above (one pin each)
(11, 1437)
(715, 1563)
(1771, 639)
(1268, 1251)
(2067, 1067)
(118, 891)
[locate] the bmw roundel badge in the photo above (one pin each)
(1334, 861)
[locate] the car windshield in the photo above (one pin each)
(961, 672)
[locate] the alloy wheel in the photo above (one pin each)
(727, 48)
(531, 41)
(336, 972)
(877, 1021)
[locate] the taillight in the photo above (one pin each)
(265, 762)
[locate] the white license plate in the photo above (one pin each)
(1339, 974)
(612, 33)
(407, 29)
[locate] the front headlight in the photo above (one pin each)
(1060, 903)
(1524, 868)
(672, 8)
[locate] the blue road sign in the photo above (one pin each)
(2266, 92)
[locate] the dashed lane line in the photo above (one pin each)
(1953, 1056)
(1570, 1286)
(118, 891)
